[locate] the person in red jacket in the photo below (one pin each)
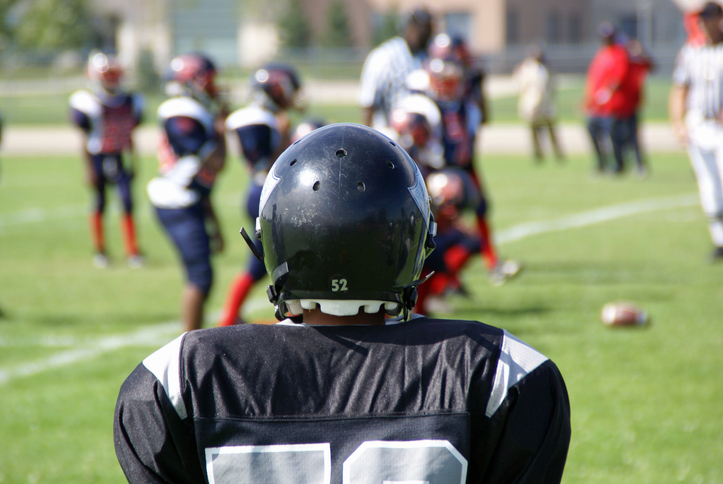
(630, 100)
(602, 90)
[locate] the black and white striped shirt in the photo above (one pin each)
(383, 77)
(700, 68)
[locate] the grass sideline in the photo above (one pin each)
(53, 109)
(645, 402)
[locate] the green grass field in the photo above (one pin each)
(646, 402)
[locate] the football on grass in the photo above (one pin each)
(623, 314)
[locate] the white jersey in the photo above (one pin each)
(383, 78)
(700, 68)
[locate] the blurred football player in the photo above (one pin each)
(263, 131)
(461, 119)
(535, 104)
(452, 193)
(387, 66)
(107, 115)
(337, 392)
(191, 153)
(417, 126)
(453, 48)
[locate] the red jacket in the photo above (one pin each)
(604, 76)
(631, 89)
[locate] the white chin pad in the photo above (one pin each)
(340, 308)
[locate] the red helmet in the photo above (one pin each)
(195, 71)
(446, 80)
(413, 128)
(451, 190)
(105, 70)
(280, 83)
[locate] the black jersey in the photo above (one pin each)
(428, 400)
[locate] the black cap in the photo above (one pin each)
(417, 15)
(711, 9)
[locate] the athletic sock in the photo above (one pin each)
(96, 232)
(455, 258)
(129, 234)
(237, 294)
(488, 251)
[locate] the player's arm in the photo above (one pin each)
(676, 110)
(535, 430)
(153, 444)
(212, 225)
(369, 86)
(367, 115)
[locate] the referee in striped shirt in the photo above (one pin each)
(387, 66)
(696, 110)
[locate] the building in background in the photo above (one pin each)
(245, 32)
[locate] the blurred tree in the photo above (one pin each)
(295, 29)
(56, 24)
(338, 33)
(6, 29)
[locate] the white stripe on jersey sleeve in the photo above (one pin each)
(187, 107)
(86, 103)
(517, 360)
(251, 115)
(165, 365)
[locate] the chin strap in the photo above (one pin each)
(273, 291)
(409, 296)
(257, 253)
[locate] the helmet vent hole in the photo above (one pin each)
(341, 153)
(316, 186)
(293, 162)
(360, 186)
(390, 165)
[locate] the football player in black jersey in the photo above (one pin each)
(348, 386)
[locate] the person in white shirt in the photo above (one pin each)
(387, 66)
(536, 104)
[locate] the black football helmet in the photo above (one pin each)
(345, 224)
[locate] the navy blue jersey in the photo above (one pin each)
(107, 120)
(259, 137)
(423, 401)
(458, 133)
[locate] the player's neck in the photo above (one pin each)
(317, 318)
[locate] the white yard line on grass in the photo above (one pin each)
(591, 217)
(34, 215)
(159, 334)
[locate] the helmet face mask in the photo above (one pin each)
(446, 80)
(344, 216)
(105, 70)
(196, 73)
(280, 84)
(413, 128)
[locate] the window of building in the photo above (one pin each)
(629, 25)
(553, 27)
(512, 34)
(575, 28)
